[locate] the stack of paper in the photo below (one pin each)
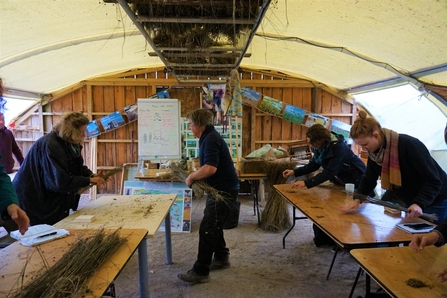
(39, 234)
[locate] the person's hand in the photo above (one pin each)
(443, 275)
(287, 173)
(189, 181)
(97, 180)
(298, 184)
(351, 206)
(414, 211)
(420, 241)
(19, 216)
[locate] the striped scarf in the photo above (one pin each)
(390, 175)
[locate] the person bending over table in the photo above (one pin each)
(409, 174)
(217, 169)
(52, 173)
(330, 152)
(437, 237)
(340, 166)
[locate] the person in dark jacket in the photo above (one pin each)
(330, 152)
(437, 237)
(411, 177)
(340, 166)
(52, 172)
(8, 147)
(217, 170)
(9, 203)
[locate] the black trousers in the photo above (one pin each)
(211, 236)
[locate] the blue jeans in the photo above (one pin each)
(439, 209)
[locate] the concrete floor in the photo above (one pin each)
(260, 267)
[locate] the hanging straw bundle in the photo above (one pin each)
(198, 187)
(276, 217)
(68, 277)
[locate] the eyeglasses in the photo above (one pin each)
(192, 125)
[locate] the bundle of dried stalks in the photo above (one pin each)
(276, 217)
(67, 278)
(198, 187)
(198, 34)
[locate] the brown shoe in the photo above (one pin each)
(216, 264)
(193, 278)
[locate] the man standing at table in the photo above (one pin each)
(217, 169)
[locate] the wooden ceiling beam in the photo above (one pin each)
(195, 66)
(210, 49)
(202, 54)
(148, 19)
(173, 82)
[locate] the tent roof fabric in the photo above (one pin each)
(344, 44)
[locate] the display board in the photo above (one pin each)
(159, 136)
(180, 210)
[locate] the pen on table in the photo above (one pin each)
(46, 235)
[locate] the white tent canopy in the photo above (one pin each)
(344, 44)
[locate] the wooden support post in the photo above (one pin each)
(93, 161)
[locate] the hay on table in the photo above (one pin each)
(68, 277)
(276, 217)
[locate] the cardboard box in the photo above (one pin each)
(252, 166)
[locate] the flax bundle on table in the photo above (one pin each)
(276, 217)
(68, 277)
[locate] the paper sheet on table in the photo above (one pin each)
(39, 234)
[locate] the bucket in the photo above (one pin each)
(233, 216)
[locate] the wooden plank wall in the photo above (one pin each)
(120, 146)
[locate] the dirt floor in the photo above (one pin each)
(260, 267)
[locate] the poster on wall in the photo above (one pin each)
(92, 129)
(251, 94)
(212, 99)
(112, 121)
(159, 130)
(294, 114)
(163, 94)
(131, 112)
(341, 128)
(271, 106)
(180, 213)
(314, 118)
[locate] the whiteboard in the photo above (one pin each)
(159, 136)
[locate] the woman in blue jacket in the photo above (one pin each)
(340, 166)
(330, 152)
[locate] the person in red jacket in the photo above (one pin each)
(8, 147)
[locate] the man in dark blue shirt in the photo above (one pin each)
(217, 170)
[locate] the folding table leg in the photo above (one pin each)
(355, 282)
(337, 249)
